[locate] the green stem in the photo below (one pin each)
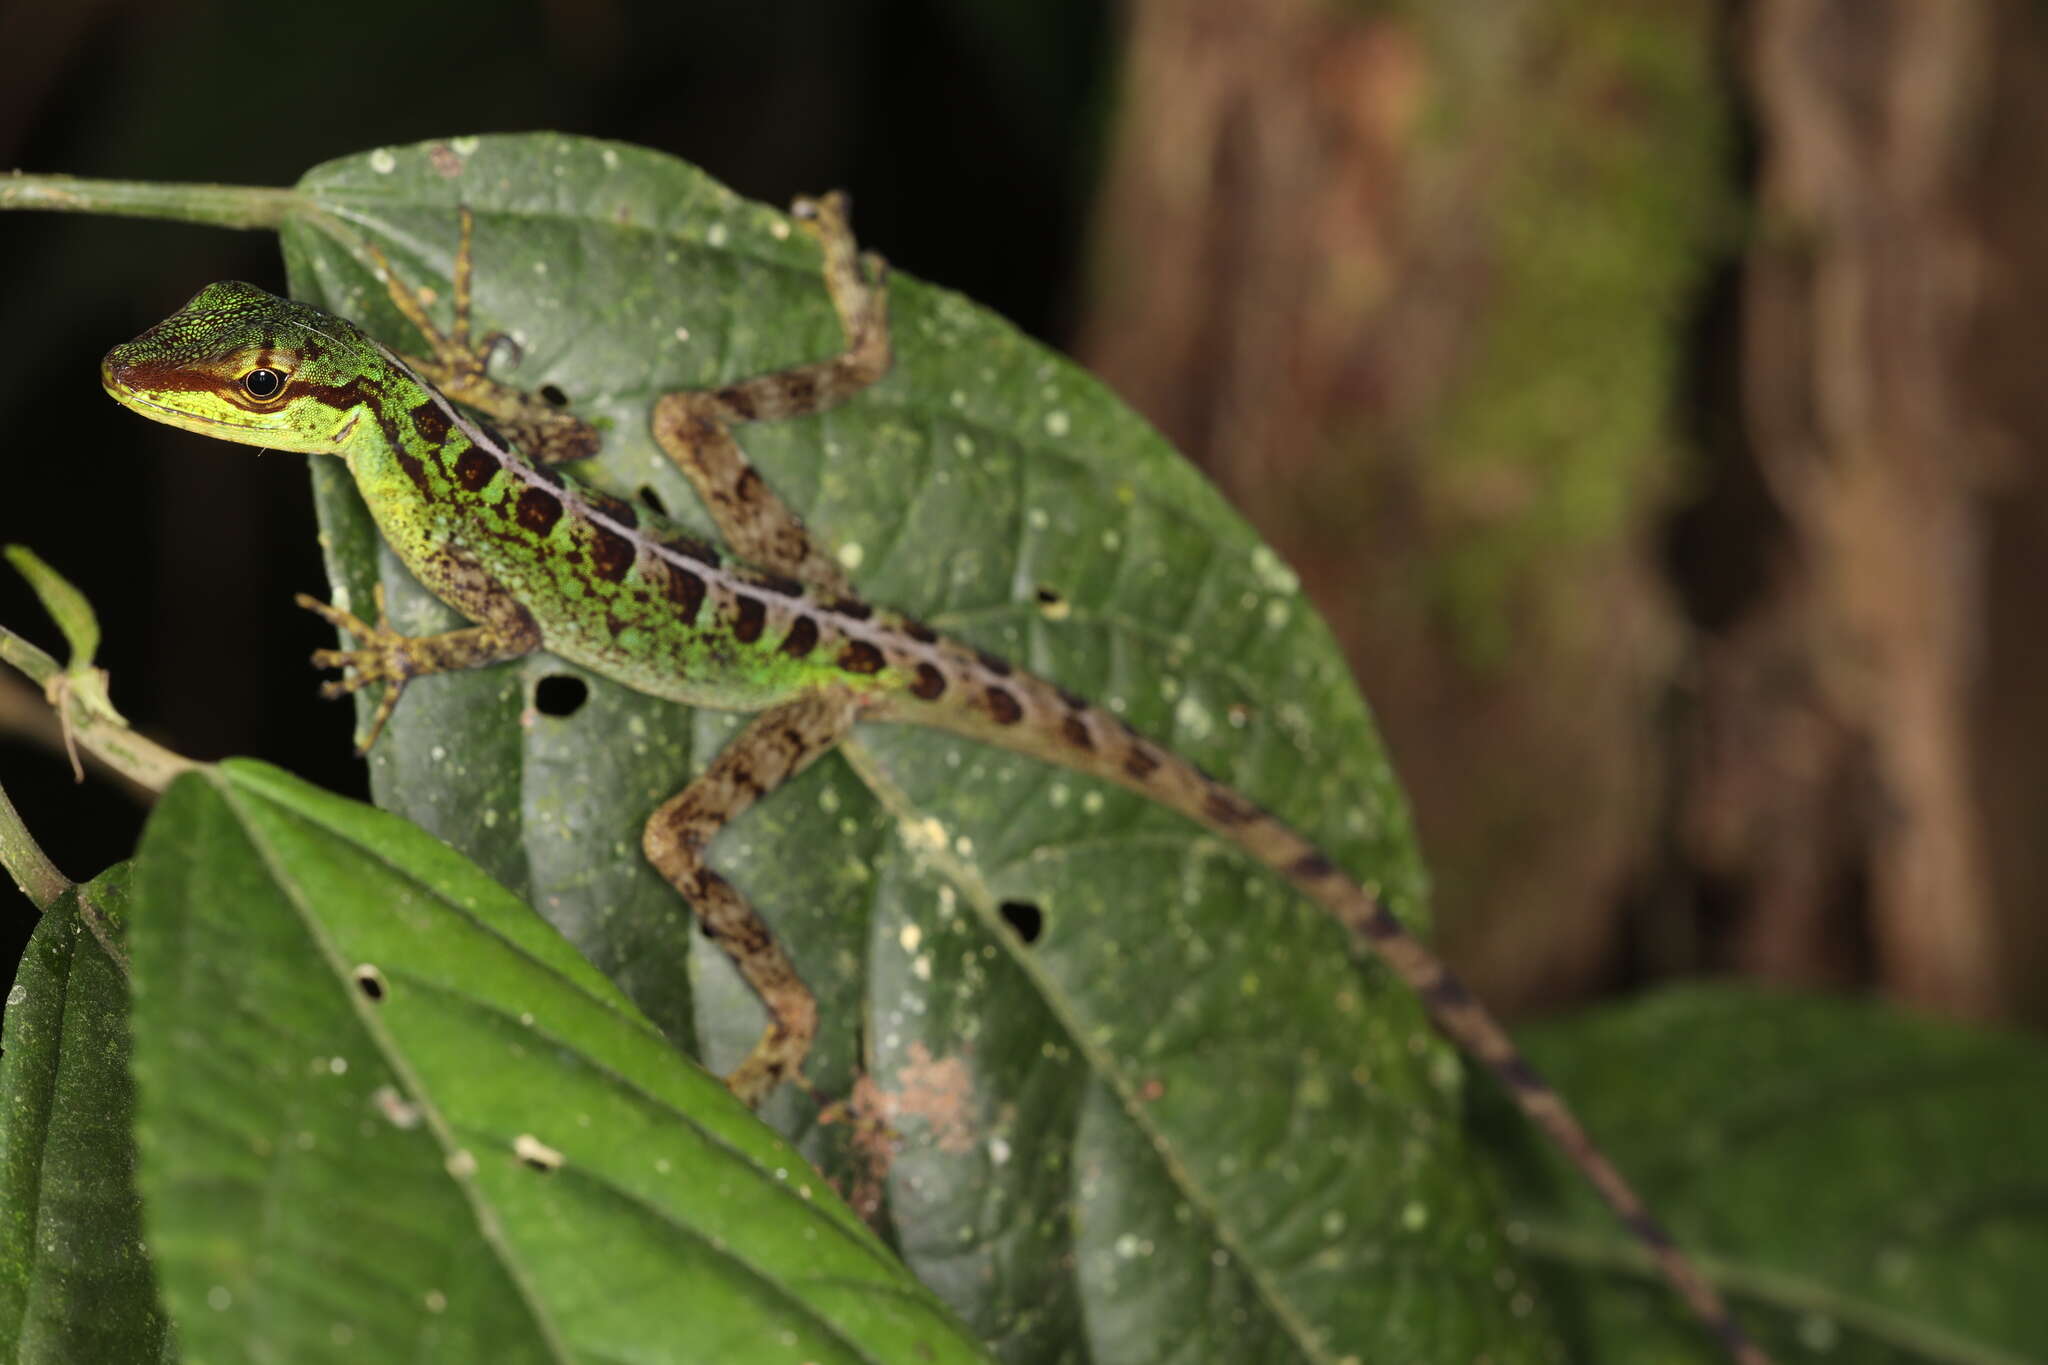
(39, 666)
(234, 206)
(140, 760)
(25, 861)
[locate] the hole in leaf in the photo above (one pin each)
(651, 500)
(552, 395)
(369, 981)
(558, 694)
(1025, 918)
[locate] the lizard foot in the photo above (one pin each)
(459, 365)
(382, 656)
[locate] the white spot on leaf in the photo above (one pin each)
(536, 1153)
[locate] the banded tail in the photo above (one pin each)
(985, 700)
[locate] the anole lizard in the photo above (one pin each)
(539, 563)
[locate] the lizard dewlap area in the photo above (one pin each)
(538, 563)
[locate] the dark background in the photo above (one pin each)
(967, 136)
(1645, 391)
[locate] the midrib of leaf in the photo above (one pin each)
(1101, 1064)
(1791, 1294)
(418, 1092)
(395, 1057)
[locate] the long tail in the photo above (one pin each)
(1026, 714)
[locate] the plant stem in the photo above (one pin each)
(25, 861)
(120, 748)
(234, 206)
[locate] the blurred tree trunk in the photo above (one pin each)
(1705, 624)
(2003, 364)
(1852, 776)
(1412, 282)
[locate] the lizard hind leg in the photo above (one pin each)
(695, 426)
(774, 747)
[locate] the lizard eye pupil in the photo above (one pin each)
(263, 383)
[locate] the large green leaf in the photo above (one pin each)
(387, 1113)
(75, 1284)
(1180, 1123)
(1871, 1187)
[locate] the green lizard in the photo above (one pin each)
(538, 563)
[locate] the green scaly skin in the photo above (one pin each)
(540, 563)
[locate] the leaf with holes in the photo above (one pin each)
(1868, 1186)
(1177, 1120)
(74, 1282)
(387, 1113)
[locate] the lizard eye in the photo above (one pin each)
(261, 384)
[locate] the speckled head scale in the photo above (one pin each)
(239, 363)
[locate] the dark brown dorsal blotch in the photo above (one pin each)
(1516, 1071)
(538, 510)
(1074, 700)
(693, 549)
(686, 590)
(802, 637)
(1381, 926)
(994, 663)
(917, 630)
(415, 468)
(929, 685)
(551, 477)
(860, 657)
(738, 402)
(617, 509)
(1076, 731)
(1641, 1224)
(852, 608)
(1004, 706)
(1140, 762)
(611, 554)
(749, 618)
(430, 421)
(475, 468)
(775, 582)
(1447, 993)
(1225, 807)
(1312, 867)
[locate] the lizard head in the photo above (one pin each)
(241, 364)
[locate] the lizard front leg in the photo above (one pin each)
(383, 655)
(459, 367)
(695, 426)
(775, 746)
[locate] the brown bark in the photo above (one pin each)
(1342, 262)
(1856, 772)
(1387, 271)
(2003, 366)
